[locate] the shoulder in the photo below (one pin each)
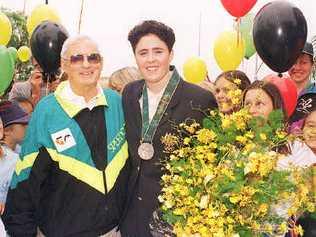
(111, 95)
(20, 88)
(132, 87)
(196, 90)
(198, 94)
(22, 84)
(47, 103)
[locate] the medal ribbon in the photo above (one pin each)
(149, 129)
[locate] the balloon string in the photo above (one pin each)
(238, 31)
(200, 23)
(24, 7)
(47, 81)
(80, 17)
(259, 68)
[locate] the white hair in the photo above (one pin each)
(74, 39)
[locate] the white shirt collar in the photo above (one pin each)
(78, 100)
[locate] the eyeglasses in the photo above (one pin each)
(78, 59)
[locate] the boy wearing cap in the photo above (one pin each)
(14, 121)
(300, 72)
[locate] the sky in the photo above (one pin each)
(108, 23)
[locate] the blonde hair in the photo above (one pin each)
(122, 77)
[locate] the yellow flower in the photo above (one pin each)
(284, 227)
(187, 141)
(226, 123)
(241, 139)
(235, 101)
(205, 136)
(204, 201)
(263, 209)
(234, 199)
(263, 136)
(237, 81)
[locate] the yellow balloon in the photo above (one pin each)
(24, 53)
(5, 29)
(229, 50)
(39, 14)
(194, 70)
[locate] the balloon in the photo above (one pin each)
(7, 69)
(246, 24)
(229, 50)
(5, 29)
(13, 53)
(39, 14)
(279, 33)
(288, 91)
(238, 8)
(24, 53)
(46, 44)
(194, 70)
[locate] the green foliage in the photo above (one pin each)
(19, 38)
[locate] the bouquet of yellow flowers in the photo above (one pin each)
(221, 178)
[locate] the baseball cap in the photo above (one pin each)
(306, 104)
(12, 113)
(308, 49)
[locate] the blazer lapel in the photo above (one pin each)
(175, 100)
(135, 107)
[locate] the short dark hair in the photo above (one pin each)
(162, 31)
(273, 93)
(235, 74)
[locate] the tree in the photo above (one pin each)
(19, 38)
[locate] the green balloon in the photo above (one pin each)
(6, 70)
(246, 24)
(13, 53)
(250, 46)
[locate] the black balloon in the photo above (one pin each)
(46, 44)
(279, 33)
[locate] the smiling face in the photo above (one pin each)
(86, 72)
(222, 89)
(302, 68)
(153, 58)
(259, 103)
(309, 131)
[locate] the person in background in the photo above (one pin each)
(305, 119)
(34, 88)
(207, 84)
(14, 121)
(25, 104)
(261, 98)
(229, 88)
(153, 107)
(120, 78)
(301, 71)
(2, 228)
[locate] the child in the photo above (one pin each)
(14, 123)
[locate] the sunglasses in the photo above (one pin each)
(78, 59)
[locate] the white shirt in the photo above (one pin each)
(78, 100)
(2, 230)
(301, 156)
(153, 102)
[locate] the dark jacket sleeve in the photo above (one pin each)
(20, 216)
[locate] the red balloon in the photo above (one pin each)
(238, 8)
(288, 91)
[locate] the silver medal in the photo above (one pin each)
(146, 151)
